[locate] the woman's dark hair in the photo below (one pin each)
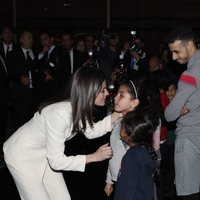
(139, 127)
(82, 91)
(85, 86)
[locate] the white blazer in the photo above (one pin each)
(42, 140)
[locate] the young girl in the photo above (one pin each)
(135, 179)
(35, 155)
(132, 94)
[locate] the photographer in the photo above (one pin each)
(136, 58)
(108, 56)
(50, 71)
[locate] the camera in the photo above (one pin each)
(121, 74)
(91, 60)
(104, 37)
(90, 53)
(134, 46)
(133, 33)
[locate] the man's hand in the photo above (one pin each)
(135, 55)
(184, 110)
(25, 80)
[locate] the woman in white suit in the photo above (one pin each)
(35, 155)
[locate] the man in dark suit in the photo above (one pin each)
(6, 49)
(50, 70)
(4, 88)
(70, 58)
(25, 80)
(137, 58)
(7, 45)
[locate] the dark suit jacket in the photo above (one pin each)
(78, 59)
(24, 98)
(4, 92)
(93, 179)
(8, 59)
(19, 67)
(4, 84)
(142, 63)
(51, 64)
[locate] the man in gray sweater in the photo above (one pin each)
(185, 107)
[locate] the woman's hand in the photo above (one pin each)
(108, 189)
(104, 152)
(115, 116)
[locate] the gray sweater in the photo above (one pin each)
(188, 93)
(119, 150)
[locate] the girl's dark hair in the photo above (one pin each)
(85, 86)
(82, 91)
(150, 102)
(147, 94)
(133, 83)
(139, 127)
(133, 88)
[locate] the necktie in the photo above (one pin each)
(7, 51)
(28, 59)
(132, 63)
(46, 58)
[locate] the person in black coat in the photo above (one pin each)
(70, 58)
(51, 75)
(90, 184)
(24, 79)
(4, 88)
(7, 46)
(136, 58)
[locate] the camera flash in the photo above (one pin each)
(133, 32)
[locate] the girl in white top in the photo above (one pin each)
(35, 155)
(132, 94)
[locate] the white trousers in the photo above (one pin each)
(52, 187)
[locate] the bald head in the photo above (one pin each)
(154, 64)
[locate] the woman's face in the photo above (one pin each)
(123, 100)
(101, 96)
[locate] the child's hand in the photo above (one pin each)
(115, 116)
(108, 189)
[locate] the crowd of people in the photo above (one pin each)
(100, 118)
